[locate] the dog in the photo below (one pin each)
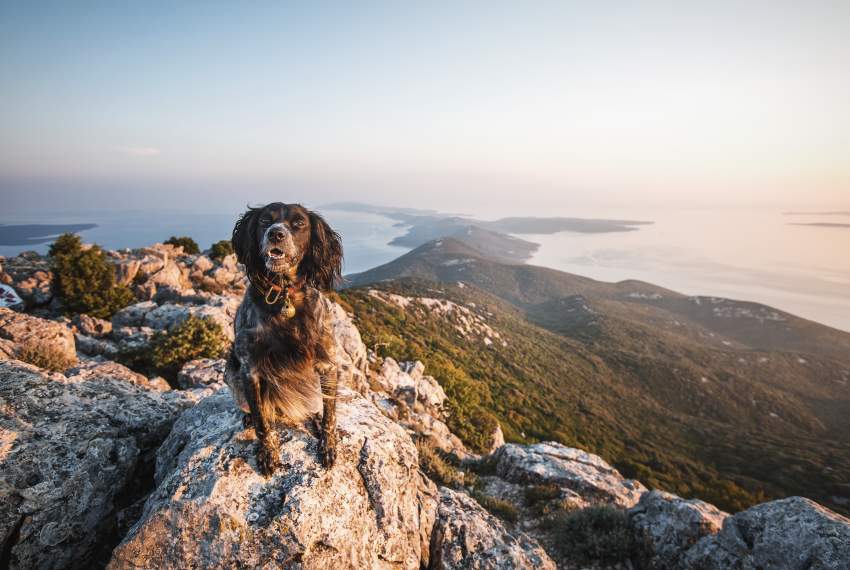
(281, 366)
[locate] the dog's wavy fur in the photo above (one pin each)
(282, 369)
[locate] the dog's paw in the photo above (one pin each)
(327, 449)
(268, 459)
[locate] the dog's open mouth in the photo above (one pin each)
(276, 254)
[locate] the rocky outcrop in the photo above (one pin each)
(212, 508)
(666, 526)
(27, 331)
(202, 373)
(101, 368)
(793, 533)
(580, 473)
(404, 394)
(467, 536)
(30, 275)
(92, 326)
(74, 454)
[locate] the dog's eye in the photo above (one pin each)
(299, 223)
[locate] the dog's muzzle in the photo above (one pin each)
(279, 248)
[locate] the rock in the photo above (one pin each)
(202, 373)
(391, 378)
(665, 526)
(413, 368)
(351, 352)
(74, 453)
(126, 270)
(497, 439)
(212, 508)
(793, 534)
(467, 536)
(132, 315)
(95, 346)
(30, 275)
(9, 298)
(92, 326)
(202, 263)
(429, 393)
(229, 262)
(25, 330)
(146, 291)
(98, 368)
(166, 316)
(552, 463)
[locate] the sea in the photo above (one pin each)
(762, 256)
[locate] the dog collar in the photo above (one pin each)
(275, 292)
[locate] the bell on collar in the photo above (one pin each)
(288, 308)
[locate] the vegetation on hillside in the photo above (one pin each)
(84, 280)
(624, 393)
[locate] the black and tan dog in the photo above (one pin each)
(282, 367)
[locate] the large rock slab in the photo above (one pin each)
(467, 536)
(793, 534)
(73, 455)
(665, 526)
(25, 330)
(202, 373)
(213, 509)
(584, 473)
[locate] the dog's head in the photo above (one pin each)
(288, 239)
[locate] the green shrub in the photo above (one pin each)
(190, 246)
(502, 509)
(169, 350)
(437, 467)
(598, 534)
(84, 280)
(221, 249)
(45, 356)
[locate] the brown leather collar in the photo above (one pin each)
(277, 289)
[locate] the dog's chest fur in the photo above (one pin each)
(284, 352)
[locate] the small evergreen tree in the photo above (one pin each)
(84, 280)
(190, 246)
(221, 249)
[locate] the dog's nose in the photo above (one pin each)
(277, 234)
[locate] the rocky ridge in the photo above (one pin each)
(103, 465)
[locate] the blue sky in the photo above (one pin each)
(730, 104)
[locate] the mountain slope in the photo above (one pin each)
(665, 386)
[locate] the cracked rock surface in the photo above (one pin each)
(213, 509)
(74, 452)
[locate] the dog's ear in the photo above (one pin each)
(321, 266)
(245, 242)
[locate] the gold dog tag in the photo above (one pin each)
(288, 308)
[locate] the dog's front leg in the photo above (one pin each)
(268, 456)
(328, 436)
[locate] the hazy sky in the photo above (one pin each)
(429, 103)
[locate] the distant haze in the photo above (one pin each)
(482, 107)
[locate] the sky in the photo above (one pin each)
(454, 105)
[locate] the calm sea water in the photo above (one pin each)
(365, 236)
(754, 256)
(761, 257)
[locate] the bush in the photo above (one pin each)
(221, 249)
(502, 509)
(190, 246)
(45, 356)
(438, 468)
(84, 280)
(168, 351)
(595, 535)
